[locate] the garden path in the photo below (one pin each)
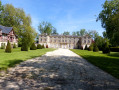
(57, 70)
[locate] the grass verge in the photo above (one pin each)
(106, 62)
(17, 56)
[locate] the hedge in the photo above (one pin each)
(114, 49)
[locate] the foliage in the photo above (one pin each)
(95, 48)
(104, 34)
(2, 45)
(16, 18)
(74, 33)
(39, 46)
(86, 47)
(93, 33)
(14, 45)
(108, 63)
(45, 28)
(43, 46)
(99, 41)
(82, 32)
(24, 47)
(33, 47)
(114, 49)
(66, 33)
(90, 47)
(8, 47)
(46, 46)
(1, 9)
(54, 31)
(109, 18)
(106, 48)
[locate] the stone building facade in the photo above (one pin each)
(65, 41)
(7, 33)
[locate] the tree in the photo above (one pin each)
(78, 33)
(14, 45)
(45, 28)
(33, 47)
(8, 47)
(99, 41)
(106, 48)
(1, 9)
(54, 31)
(104, 34)
(95, 48)
(74, 33)
(109, 18)
(90, 47)
(16, 18)
(66, 33)
(93, 33)
(39, 46)
(82, 32)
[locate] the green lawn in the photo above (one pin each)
(108, 63)
(17, 56)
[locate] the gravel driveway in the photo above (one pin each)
(57, 70)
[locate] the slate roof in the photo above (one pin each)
(5, 30)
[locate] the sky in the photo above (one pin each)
(64, 15)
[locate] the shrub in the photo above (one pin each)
(114, 49)
(95, 49)
(24, 47)
(86, 47)
(8, 47)
(39, 46)
(81, 47)
(46, 46)
(2, 45)
(106, 48)
(33, 47)
(14, 46)
(90, 48)
(43, 46)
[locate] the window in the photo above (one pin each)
(88, 41)
(84, 41)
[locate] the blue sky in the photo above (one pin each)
(64, 15)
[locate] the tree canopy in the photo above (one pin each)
(16, 18)
(109, 18)
(66, 33)
(45, 28)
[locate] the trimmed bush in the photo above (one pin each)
(95, 49)
(24, 47)
(106, 48)
(8, 47)
(14, 46)
(86, 47)
(2, 45)
(33, 47)
(81, 47)
(46, 46)
(43, 46)
(39, 46)
(114, 49)
(90, 48)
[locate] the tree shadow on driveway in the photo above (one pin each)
(57, 73)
